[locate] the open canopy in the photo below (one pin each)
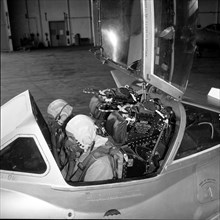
(151, 40)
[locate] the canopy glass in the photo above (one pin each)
(152, 40)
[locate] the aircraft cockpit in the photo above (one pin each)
(150, 45)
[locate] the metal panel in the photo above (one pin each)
(6, 42)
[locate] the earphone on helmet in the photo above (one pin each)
(58, 117)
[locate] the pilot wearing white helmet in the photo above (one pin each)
(81, 133)
(59, 113)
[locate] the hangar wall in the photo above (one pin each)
(6, 42)
(50, 22)
(209, 12)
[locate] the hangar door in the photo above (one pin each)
(6, 42)
(57, 33)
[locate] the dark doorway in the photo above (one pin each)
(57, 33)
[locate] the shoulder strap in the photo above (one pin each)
(88, 161)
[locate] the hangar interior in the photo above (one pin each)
(57, 23)
(45, 23)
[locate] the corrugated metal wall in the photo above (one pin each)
(32, 17)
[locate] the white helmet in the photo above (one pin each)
(83, 130)
(60, 110)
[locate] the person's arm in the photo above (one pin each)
(72, 163)
(100, 170)
(71, 159)
(54, 146)
(53, 136)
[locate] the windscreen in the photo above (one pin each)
(40, 121)
(121, 35)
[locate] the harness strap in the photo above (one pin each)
(90, 159)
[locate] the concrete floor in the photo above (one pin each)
(53, 73)
(64, 73)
